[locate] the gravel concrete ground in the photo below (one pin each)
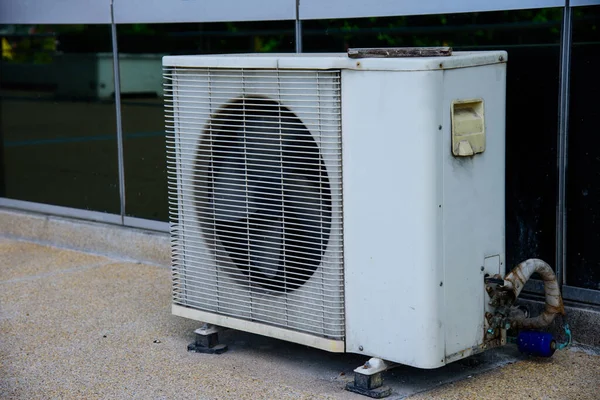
(74, 325)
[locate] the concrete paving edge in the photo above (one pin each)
(125, 243)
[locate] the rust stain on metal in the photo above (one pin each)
(397, 52)
(556, 310)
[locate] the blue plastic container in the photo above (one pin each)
(540, 344)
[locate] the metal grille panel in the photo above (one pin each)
(255, 185)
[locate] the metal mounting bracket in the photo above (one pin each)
(368, 379)
(207, 340)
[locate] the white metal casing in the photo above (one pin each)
(418, 223)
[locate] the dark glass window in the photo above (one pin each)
(57, 117)
(583, 173)
(66, 155)
(532, 39)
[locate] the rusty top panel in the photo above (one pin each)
(396, 52)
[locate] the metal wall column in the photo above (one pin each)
(562, 145)
(298, 28)
(117, 79)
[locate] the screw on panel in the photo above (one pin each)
(441, 284)
(482, 268)
(440, 127)
(360, 348)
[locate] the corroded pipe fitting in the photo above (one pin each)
(515, 281)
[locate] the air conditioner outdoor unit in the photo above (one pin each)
(348, 204)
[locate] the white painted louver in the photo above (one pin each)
(255, 182)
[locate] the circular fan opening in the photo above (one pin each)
(268, 200)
